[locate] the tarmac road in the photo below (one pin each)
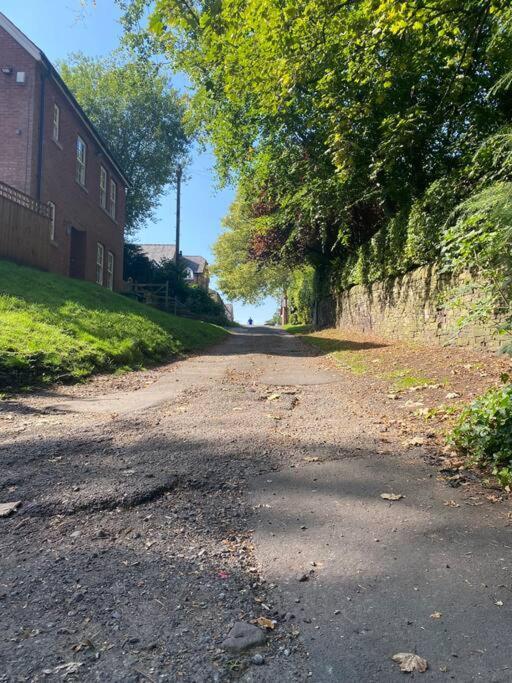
(160, 508)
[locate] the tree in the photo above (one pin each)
(341, 113)
(349, 127)
(136, 265)
(137, 112)
(240, 275)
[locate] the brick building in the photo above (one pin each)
(50, 151)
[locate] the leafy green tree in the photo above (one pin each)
(344, 113)
(137, 112)
(240, 275)
(136, 265)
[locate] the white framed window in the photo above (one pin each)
(189, 275)
(56, 122)
(103, 188)
(81, 160)
(51, 206)
(110, 270)
(100, 253)
(113, 199)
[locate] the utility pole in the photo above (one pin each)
(177, 245)
(178, 209)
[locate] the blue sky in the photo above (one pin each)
(60, 27)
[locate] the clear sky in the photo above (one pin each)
(60, 27)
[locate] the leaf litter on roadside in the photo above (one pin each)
(266, 623)
(64, 669)
(391, 496)
(7, 509)
(409, 662)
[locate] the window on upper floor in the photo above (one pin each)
(100, 253)
(113, 199)
(189, 275)
(81, 160)
(51, 206)
(56, 123)
(110, 270)
(103, 188)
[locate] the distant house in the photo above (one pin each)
(55, 166)
(196, 267)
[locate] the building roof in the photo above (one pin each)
(39, 56)
(166, 252)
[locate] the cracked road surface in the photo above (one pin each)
(158, 513)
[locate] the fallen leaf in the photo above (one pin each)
(451, 504)
(436, 615)
(266, 623)
(391, 496)
(499, 603)
(65, 669)
(416, 441)
(8, 508)
(452, 394)
(311, 458)
(273, 397)
(410, 662)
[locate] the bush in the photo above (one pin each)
(410, 238)
(301, 295)
(199, 302)
(484, 432)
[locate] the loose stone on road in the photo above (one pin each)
(222, 518)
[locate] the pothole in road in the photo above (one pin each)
(103, 497)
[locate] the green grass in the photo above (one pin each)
(55, 328)
(298, 329)
(404, 379)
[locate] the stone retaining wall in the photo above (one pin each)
(410, 307)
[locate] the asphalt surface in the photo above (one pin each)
(161, 508)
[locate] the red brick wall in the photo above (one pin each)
(18, 116)
(76, 206)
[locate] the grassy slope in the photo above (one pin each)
(53, 328)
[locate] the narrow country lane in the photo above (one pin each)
(162, 507)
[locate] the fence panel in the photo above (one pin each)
(24, 229)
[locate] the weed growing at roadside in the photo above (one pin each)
(484, 432)
(404, 379)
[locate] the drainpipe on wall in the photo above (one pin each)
(41, 136)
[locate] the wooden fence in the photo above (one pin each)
(25, 229)
(154, 295)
